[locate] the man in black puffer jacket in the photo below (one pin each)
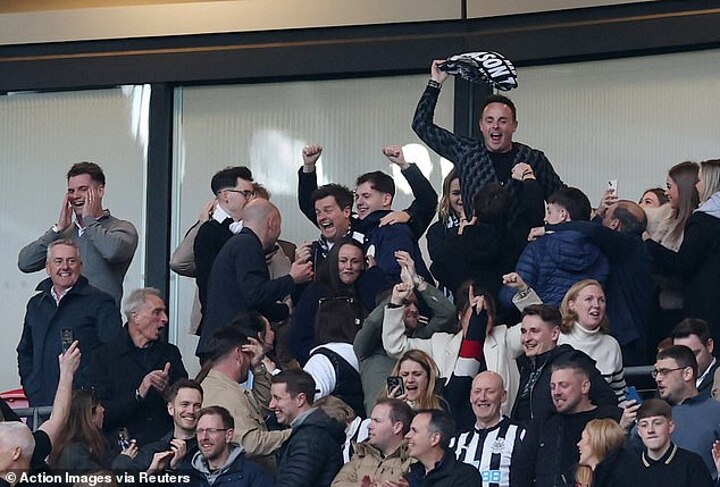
(541, 330)
(313, 453)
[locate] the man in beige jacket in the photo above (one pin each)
(383, 456)
(232, 355)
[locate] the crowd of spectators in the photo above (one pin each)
(349, 360)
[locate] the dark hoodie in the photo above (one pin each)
(536, 402)
(313, 453)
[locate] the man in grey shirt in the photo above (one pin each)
(106, 243)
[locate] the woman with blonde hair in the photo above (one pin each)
(603, 460)
(584, 326)
(697, 261)
(419, 374)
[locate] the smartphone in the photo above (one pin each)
(66, 338)
(394, 381)
(123, 439)
(632, 394)
(613, 184)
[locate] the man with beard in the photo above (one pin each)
(540, 330)
(219, 460)
(106, 243)
(696, 417)
(548, 454)
(232, 354)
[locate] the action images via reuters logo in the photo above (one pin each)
(43, 478)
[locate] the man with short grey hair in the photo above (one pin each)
(67, 308)
(132, 372)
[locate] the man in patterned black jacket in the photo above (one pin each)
(490, 159)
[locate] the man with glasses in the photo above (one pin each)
(233, 189)
(696, 417)
(220, 461)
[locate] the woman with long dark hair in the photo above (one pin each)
(697, 261)
(81, 444)
(666, 226)
(340, 279)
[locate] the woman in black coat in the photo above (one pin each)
(697, 261)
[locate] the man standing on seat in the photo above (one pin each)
(106, 243)
(490, 159)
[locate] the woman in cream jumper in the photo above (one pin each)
(585, 326)
(459, 356)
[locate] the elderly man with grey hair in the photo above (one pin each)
(66, 308)
(131, 373)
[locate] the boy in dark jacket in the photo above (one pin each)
(555, 262)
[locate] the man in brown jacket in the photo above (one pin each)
(232, 354)
(383, 456)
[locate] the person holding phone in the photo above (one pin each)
(67, 308)
(459, 354)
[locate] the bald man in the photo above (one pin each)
(489, 445)
(240, 281)
(617, 231)
(16, 450)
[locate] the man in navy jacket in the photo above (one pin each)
(67, 308)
